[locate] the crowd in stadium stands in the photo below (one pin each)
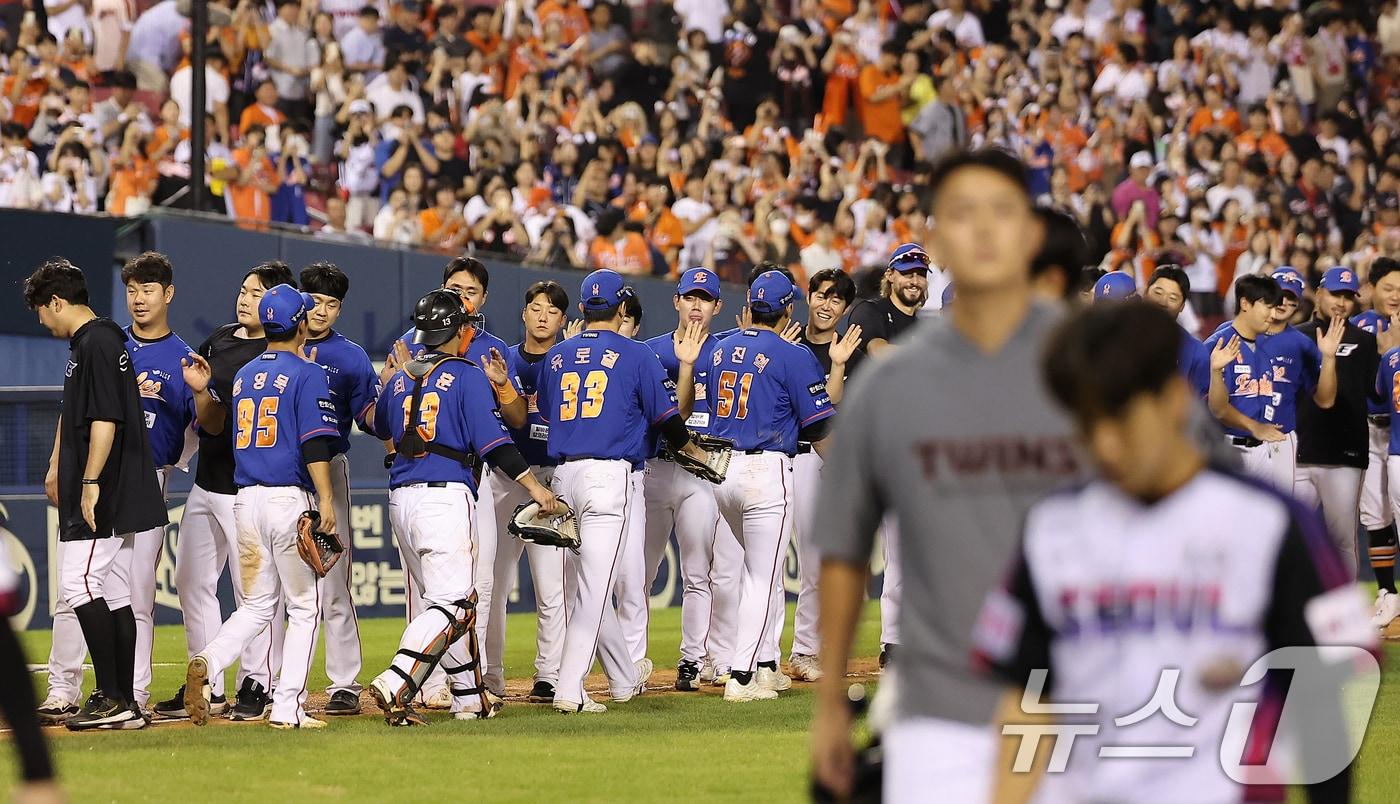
(1229, 137)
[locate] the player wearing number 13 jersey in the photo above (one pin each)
(767, 394)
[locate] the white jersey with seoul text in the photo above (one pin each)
(1109, 592)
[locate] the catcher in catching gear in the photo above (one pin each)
(441, 414)
(559, 529)
(320, 550)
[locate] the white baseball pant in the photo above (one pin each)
(546, 572)
(1375, 483)
(1338, 490)
(1393, 476)
(756, 500)
(208, 538)
(806, 473)
(635, 573)
(931, 759)
(342, 626)
(271, 574)
(67, 648)
(1274, 462)
(892, 588)
(436, 529)
(600, 493)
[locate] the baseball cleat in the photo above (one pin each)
(53, 711)
(645, 668)
(721, 678)
(735, 692)
(805, 666)
(139, 720)
(887, 652)
(687, 676)
(395, 714)
(174, 707)
(101, 712)
(495, 702)
(441, 698)
(589, 706)
(1387, 608)
(252, 703)
(196, 688)
(307, 722)
(542, 692)
(480, 714)
(343, 702)
(707, 671)
(775, 680)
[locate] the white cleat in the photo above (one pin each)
(743, 693)
(775, 680)
(307, 722)
(707, 671)
(589, 706)
(805, 666)
(1387, 608)
(721, 678)
(439, 699)
(644, 671)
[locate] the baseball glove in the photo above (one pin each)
(319, 550)
(716, 464)
(553, 530)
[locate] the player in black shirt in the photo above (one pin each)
(829, 295)
(107, 487)
(1333, 443)
(903, 291)
(208, 536)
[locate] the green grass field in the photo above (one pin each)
(658, 748)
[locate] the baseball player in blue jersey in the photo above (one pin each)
(1168, 289)
(157, 357)
(440, 411)
(546, 305)
(284, 436)
(599, 392)
(1115, 285)
(767, 394)
(1383, 321)
(354, 386)
(469, 278)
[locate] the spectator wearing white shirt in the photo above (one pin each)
(393, 89)
(362, 48)
(1072, 21)
(68, 14)
(1123, 77)
(1231, 186)
(966, 27)
(291, 54)
(154, 46)
(359, 177)
(19, 170)
(70, 186)
(112, 23)
(706, 16)
(1223, 38)
(822, 253)
(216, 91)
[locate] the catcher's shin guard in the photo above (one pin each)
(473, 666)
(423, 662)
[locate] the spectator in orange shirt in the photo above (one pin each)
(250, 194)
(842, 68)
(264, 112)
(616, 248)
(573, 20)
(882, 86)
(1260, 137)
(134, 175)
(663, 229)
(1215, 115)
(442, 224)
(26, 83)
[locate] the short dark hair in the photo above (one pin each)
(1063, 248)
(769, 319)
(472, 266)
(841, 283)
(280, 337)
(1098, 361)
(369, 11)
(56, 277)
(766, 266)
(1254, 288)
(993, 159)
(1089, 276)
(272, 273)
(1381, 267)
(632, 308)
(591, 316)
(148, 266)
(552, 291)
(325, 278)
(1176, 274)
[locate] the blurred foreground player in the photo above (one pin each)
(1383, 321)
(1272, 579)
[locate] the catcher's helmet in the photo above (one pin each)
(439, 315)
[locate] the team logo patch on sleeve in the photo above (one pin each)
(999, 626)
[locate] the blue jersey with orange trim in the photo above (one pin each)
(352, 379)
(1249, 380)
(280, 402)
(1297, 364)
(764, 390)
(533, 438)
(166, 400)
(1374, 323)
(457, 409)
(600, 392)
(1193, 361)
(1388, 386)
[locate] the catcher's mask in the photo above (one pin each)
(440, 315)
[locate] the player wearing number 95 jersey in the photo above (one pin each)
(768, 394)
(285, 429)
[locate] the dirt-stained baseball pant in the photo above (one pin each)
(892, 589)
(436, 529)
(270, 575)
(601, 495)
(546, 573)
(806, 473)
(1375, 482)
(1338, 490)
(208, 539)
(633, 587)
(755, 499)
(67, 648)
(930, 759)
(1274, 462)
(342, 627)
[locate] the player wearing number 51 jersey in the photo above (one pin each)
(284, 436)
(767, 394)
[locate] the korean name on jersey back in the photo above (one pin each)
(280, 402)
(765, 390)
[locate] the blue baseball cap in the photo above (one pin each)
(282, 308)
(1340, 280)
(947, 296)
(602, 290)
(909, 257)
(1289, 282)
(771, 292)
(701, 279)
(1115, 285)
